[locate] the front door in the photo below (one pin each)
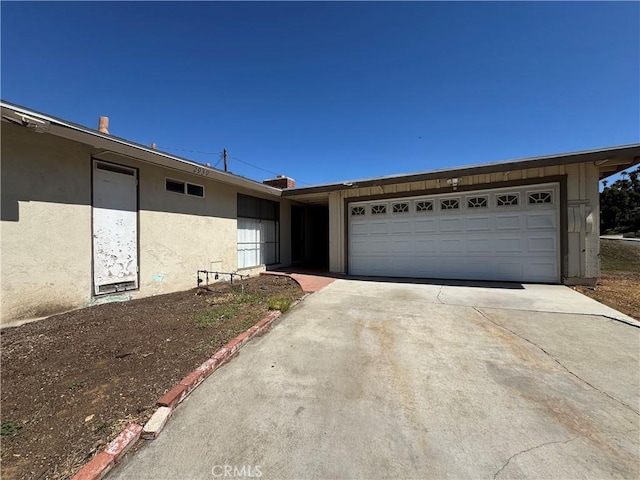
(115, 228)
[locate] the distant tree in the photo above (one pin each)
(620, 204)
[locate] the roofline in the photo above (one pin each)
(112, 144)
(598, 155)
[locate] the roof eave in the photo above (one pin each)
(620, 158)
(109, 143)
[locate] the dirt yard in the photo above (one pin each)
(71, 382)
(619, 285)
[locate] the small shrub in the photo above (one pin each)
(10, 428)
(249, 297)
(101, 427)
(77, 385)
(280, 303)
(214, 316)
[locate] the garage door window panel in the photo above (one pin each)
(540, 198)
(424, 206)
(400, 207)
(380, 209)
(358, 211)
(450, 204)
(477, 202)
(507, 200)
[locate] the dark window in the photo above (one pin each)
(507, 200)
(539, 197)
(378, 209)
(424, 206)
(253, 207)
(357, 211)
(174, 186)
(401, 207)
(449, 204)
(477, 202)
(195, 190)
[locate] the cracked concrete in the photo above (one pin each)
(388, 379)
(522, 452)
(440, 293)
(558, 362)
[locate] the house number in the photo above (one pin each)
(201, 171)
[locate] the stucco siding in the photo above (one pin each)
(47, 227)
(180, 234)
(46, 224)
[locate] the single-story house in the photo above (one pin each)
(88, 217)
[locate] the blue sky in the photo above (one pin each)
(333, 91)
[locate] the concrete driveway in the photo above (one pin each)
(400, 380)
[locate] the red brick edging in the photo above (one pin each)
(102, 463)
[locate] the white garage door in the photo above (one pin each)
(507, 234)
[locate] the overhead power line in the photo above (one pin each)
(265, 170)
(255, 166)
(221, 154)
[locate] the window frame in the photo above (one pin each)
(360, 208)
(185, 187)
(404, 204)
(509, 205)
(383, 206)
(429, 202)
(263, 210)
(477, 197)
(550, 202)
(456, 199)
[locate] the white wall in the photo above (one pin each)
(46, 224)
(46, 234)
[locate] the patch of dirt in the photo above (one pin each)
(619, 290)
(71, 383)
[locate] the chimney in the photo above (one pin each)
(281, 182)
(103, 125)
(153, 146)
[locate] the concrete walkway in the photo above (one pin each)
(398, 380)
